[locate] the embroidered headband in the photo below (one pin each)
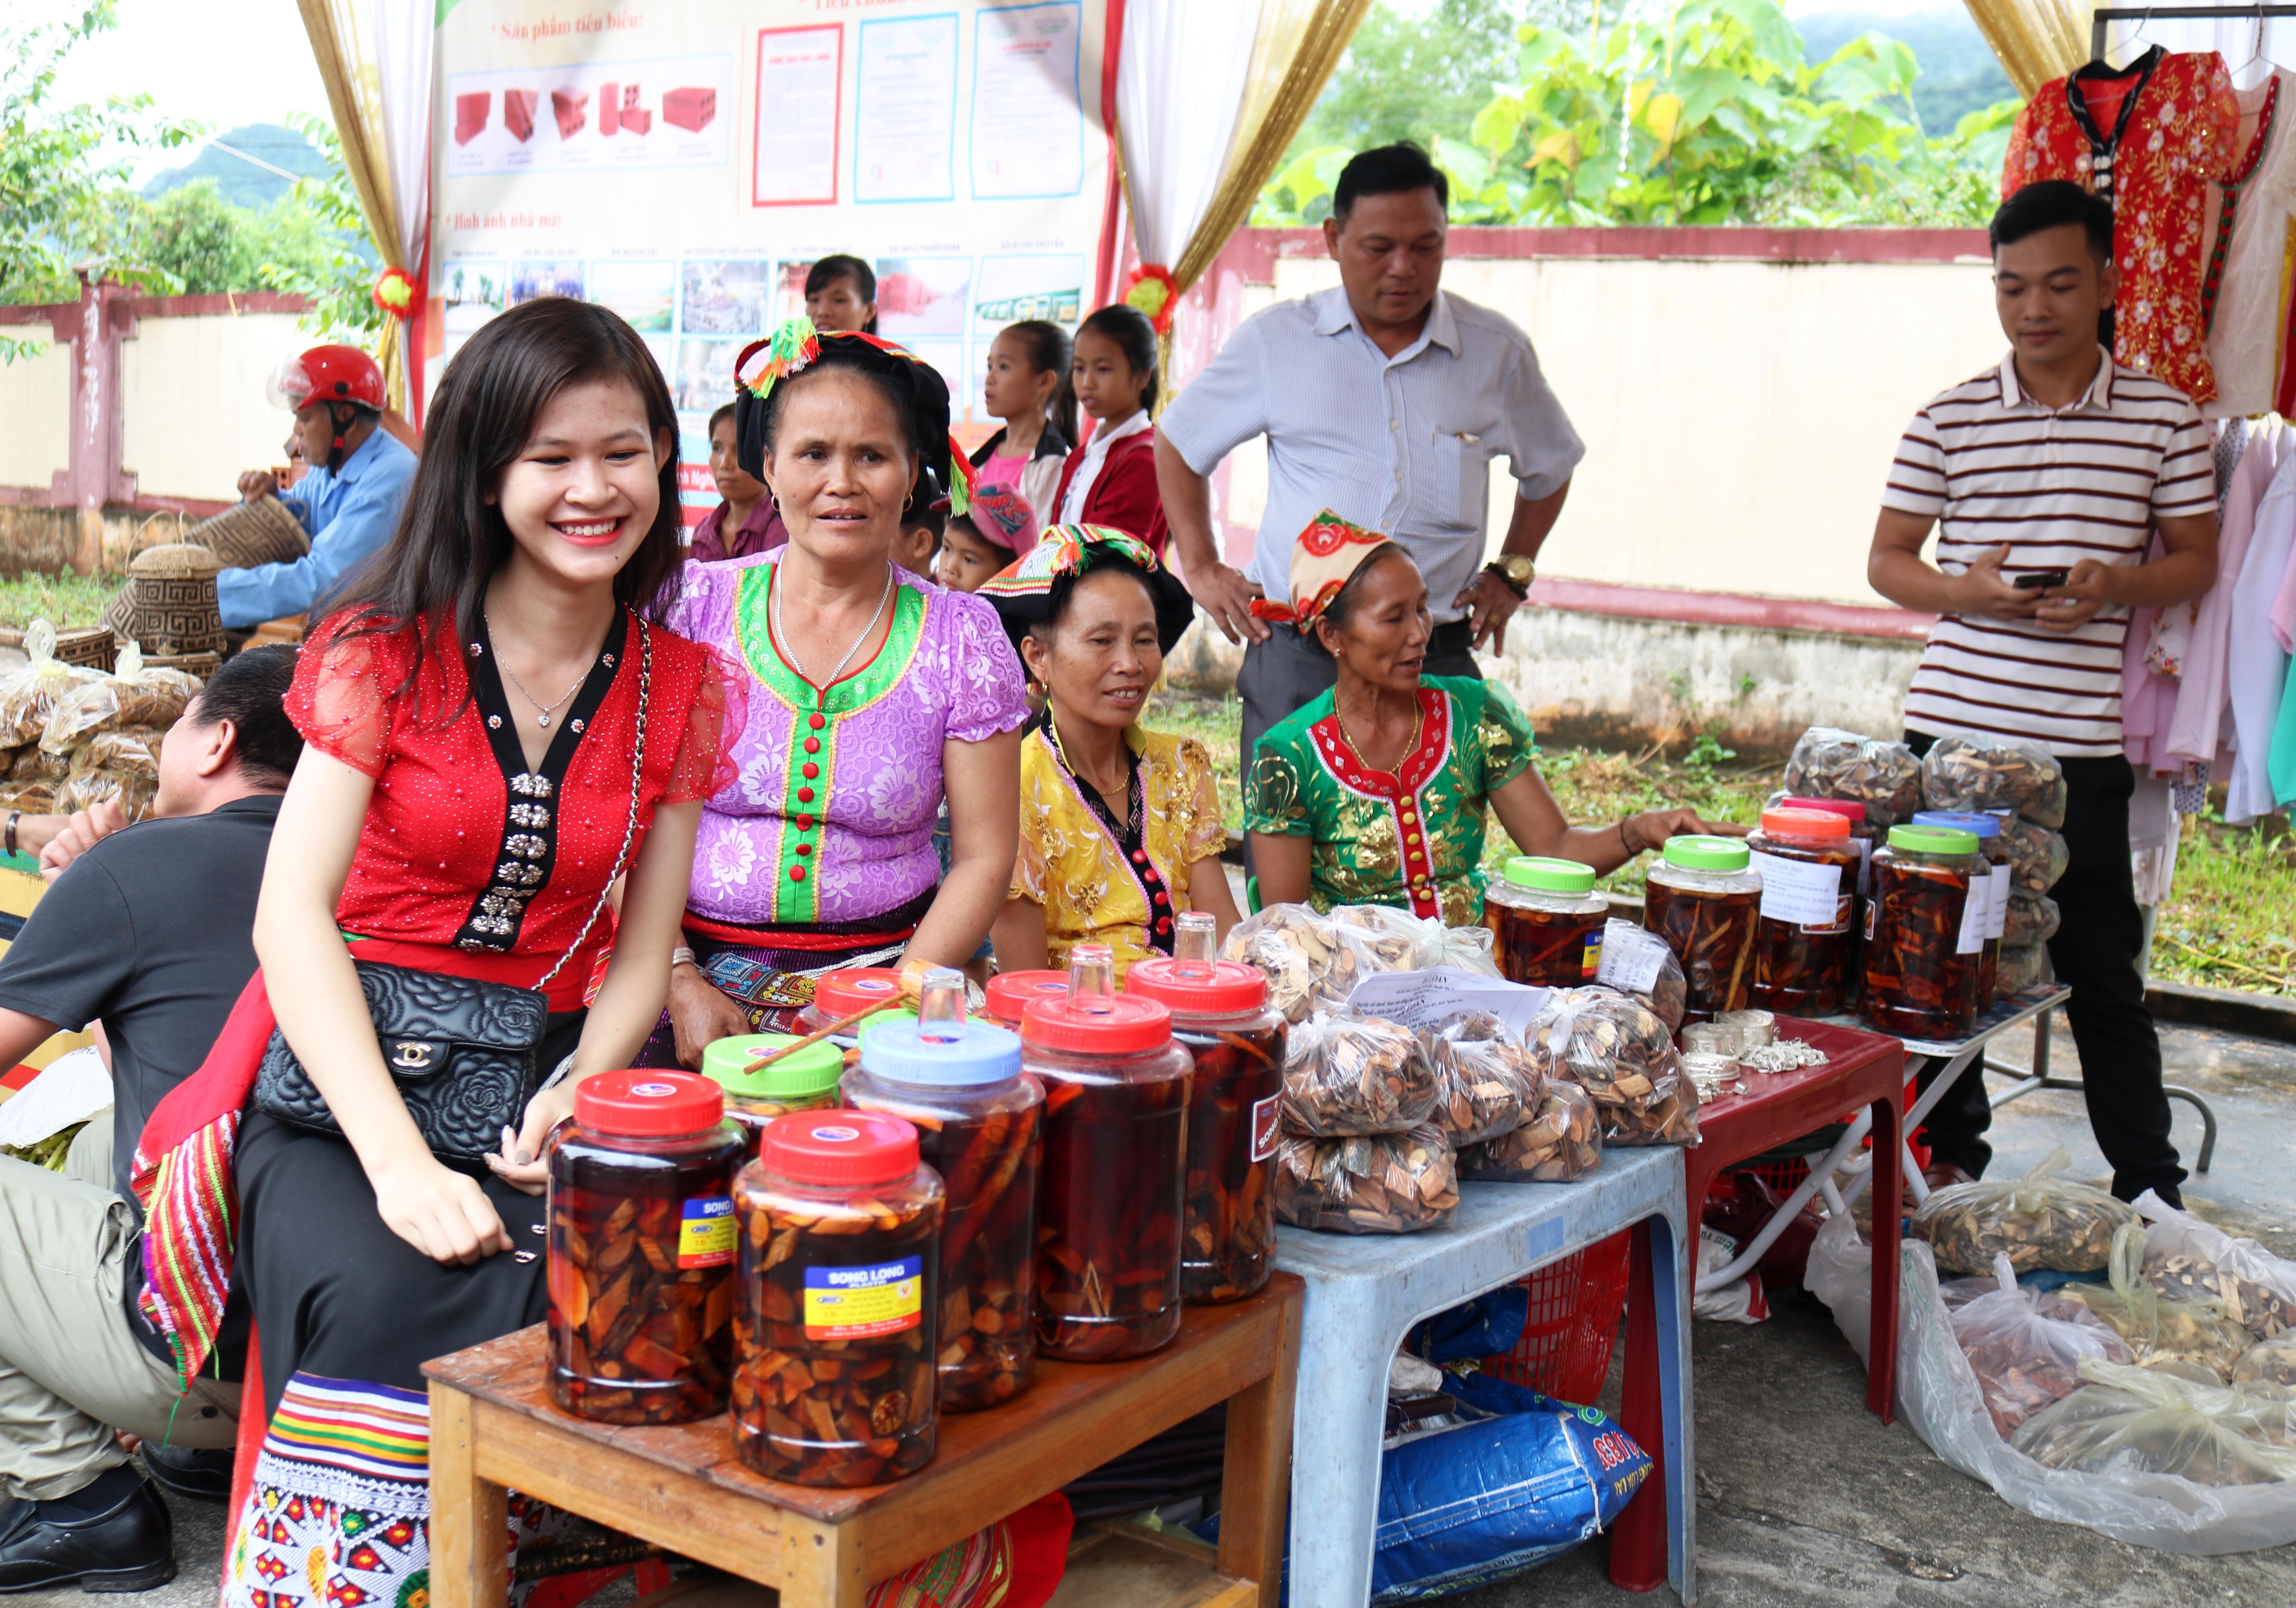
(1022, 591)
(797, 346)
(1323, 560)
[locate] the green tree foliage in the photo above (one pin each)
(1712, 115)
(1407, 77)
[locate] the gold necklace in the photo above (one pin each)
(1418, 726)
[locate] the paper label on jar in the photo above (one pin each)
(1844, 908)
(705, 1235)
(858, 1303)
(1266, 1127)
(1997, 919)
(1976, 912)
(1591, 966)
(1631, 962)
(1872, 906)
(1806, 893)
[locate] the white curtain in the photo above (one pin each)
(405, 31)
(1180, 86)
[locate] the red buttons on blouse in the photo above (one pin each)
(805, 848)
(805, 795)
(813, 745)
(809, 770)
(815, 721)
(796, 874)
(805, 823)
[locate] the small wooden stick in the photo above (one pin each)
(843, 1024)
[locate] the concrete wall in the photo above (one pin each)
(36, 414)
(193, 411)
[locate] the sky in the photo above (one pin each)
(225, 62)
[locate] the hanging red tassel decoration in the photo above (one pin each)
(394, 292)
(1150, 289)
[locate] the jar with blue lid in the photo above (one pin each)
(980, 1122)
(1991, 844)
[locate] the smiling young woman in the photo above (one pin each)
(494, 734)
(874, 695)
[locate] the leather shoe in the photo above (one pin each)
(182, 1471)
(129, 1547)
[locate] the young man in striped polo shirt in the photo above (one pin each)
(2057, 468)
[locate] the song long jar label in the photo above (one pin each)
(705, 1233)
(863, 1303)
(1267, 1127)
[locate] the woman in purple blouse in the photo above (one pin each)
(874, 695)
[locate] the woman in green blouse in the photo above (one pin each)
(1374, 792)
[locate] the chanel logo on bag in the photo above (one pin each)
(412, 1055)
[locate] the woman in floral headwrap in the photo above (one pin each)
(1120, 826)
(1373, 794)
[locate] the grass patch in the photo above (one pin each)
(2226, 924)
(64, 600)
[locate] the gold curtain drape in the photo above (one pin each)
(345, 49)
(2036, 40)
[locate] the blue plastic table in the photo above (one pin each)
(1364, 1292)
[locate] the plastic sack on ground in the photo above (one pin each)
(30, 696)
(1995, 772)
(2037, 1221)
(1312, 963)
(1938, 1399)
(1741, 1300)
(1346, 1074)
(2141, 1420)
(1374, 1183)
(1399, 941)
(2274, 1362)
(1830, 763)
(1485, 1083)
(2159, 1328)
(1637, 961)
(1562, 1142)
(2026, 1346)
(2196, 1260)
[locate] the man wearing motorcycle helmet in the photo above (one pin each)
(349, 500)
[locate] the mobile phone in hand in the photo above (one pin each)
(2033, 580)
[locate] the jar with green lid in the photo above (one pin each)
(1924, 933)
(804, 1081)
(1703, 896)
(980, 1122)
(1548, 920)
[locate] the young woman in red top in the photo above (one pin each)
(492, 731)
(1111, 479)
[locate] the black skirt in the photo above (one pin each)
(336, 1294)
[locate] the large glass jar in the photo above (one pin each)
(980, 1122)
(839, 994)
(1548, 920)
(1924, 931)
(833, 1377)
(1009, 992)
(1702, 897)
(1220, 1013)
(803, 1080)
(640, 1247)
(1993, 846)
(1803, 939)
(1864, 836)
(1108, 1211)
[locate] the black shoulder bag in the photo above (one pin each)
(463, 1051)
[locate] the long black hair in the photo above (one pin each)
(829, 270)
(1129, 328)
(1046, 344)
(450, 540)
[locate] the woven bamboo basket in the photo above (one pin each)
(169, 604)
(91, 646)
(248, 534)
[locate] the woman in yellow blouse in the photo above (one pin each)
(1119, 826)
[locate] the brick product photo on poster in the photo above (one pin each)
(691, 109)
(471, 114)
(571, 108)
(610, 108)
(635, 119)
(517, 113)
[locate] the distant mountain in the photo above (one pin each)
(1959, 73)
(243, 182)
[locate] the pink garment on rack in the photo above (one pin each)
(2148, 698)
(2284, 610)
(2197, 725)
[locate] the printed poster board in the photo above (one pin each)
(685, 165)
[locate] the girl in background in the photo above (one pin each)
(1111, 479)
(1025, 386)
(745, 524)
(841, 293)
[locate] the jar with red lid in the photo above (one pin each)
(1864, 837)
(1547, 921)
(642, 1250)
(837, 995)
(1702, 897)
(980, 1122)
(1220, 1013)
(1803, 939)
(838, 1320)
(1109, 1208)
(1994, 889)
(1924, 932)
(1009, 992)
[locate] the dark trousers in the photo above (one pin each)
(1286, 671)
(2099, 942)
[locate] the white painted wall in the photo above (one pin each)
(1739, 417)
(35, 412)
(193, 413)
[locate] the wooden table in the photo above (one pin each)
(493, 1429)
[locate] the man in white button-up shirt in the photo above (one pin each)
(1383, 400)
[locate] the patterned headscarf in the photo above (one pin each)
(797, 346)
(1023, 591)
(1004, 518)
(1323, 560)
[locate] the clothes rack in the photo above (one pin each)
(2103, 17)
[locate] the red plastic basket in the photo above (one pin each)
(1575, 1307)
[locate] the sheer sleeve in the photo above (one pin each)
(988, 694)
(706, 763)
(1204, 836)
(1509, 748)
(345, 689)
